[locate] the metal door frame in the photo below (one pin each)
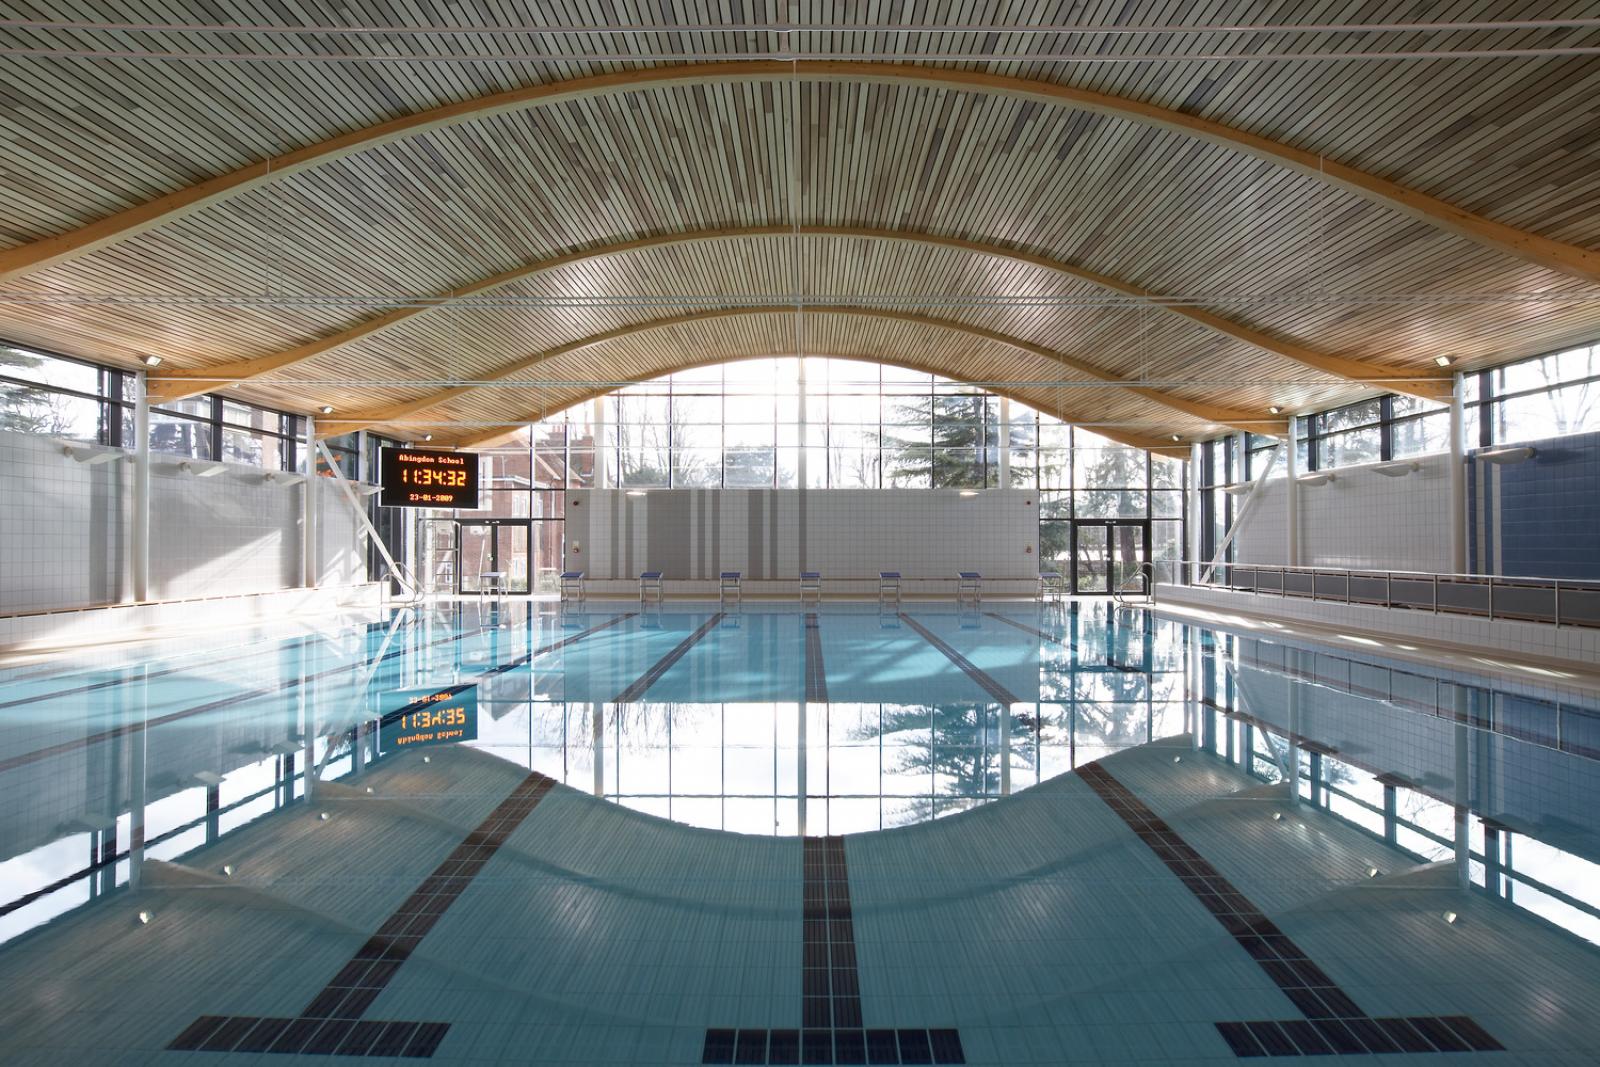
(1107, 525)
(494, 550)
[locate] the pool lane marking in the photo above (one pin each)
(1025, 628)
(1333, 1023)
(664, 664)
(256, 694)
(985, 680)
(816, 673)
(332, 1023)
(831, 1028)
(90, 687)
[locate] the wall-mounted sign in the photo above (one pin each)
(430, 717)
(427, 478)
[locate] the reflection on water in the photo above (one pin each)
(120, 756)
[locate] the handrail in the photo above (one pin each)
(1378, 588)
(1145, 573)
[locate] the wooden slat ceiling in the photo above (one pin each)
(1514, 140)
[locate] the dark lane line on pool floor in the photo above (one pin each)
(332, 1024)
(1333, 1023)
(664, 664)
(816, 672)
(986, 681)
(830, 1009)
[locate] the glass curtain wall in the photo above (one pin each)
(863, 426)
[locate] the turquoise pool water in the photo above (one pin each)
(1012, 834)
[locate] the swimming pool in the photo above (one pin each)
(680, 835)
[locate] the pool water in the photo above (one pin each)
(1008, 834)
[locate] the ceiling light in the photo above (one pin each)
(1277, 816)
(326, 409)
(150, 361)
(1275, 410)
(323, 816)
(1443, 361)
(227, 869)
(427, 437)
(636, 492)
(1373, 872)
(969, 492)
(144, 917)
(1175, 437)
(1450, 917)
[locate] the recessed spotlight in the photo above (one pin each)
(1177, 759)
(1175, 437)
(427, 437)
(150, 361)
(323, 816)
(1275, 410)
(1373, 872)
(326, 409)
(1277, 816)
(369, 789)
(144, 917)
(1443, 361)
(227, 869)
(1450, 917)
(427, 759)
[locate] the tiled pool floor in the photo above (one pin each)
(1039, 929)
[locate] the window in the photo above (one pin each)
(1549, 396)
(52, 395)
(58, 397)
(1385, 428)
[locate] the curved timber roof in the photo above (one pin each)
(465, 230)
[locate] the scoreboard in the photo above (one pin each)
(427, 478)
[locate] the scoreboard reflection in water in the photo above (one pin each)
(428, 478)
(430, 717)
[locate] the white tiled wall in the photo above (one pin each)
(1360, 519)
(64, 530)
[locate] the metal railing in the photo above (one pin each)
(1555, 601)
(1144, 575)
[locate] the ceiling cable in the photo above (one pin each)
(898, 29)
(1085, 58)
(728, 301)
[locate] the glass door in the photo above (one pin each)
(493, 547)
(474, 555)
(1090, 567)
(1130, 549)
(511, 555)
(1110, 554)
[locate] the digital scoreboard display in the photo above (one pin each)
(427, 478)
(430, 717)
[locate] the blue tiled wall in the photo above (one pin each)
(1539, 517)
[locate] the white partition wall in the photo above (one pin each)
(68, 530)
(774, 534)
